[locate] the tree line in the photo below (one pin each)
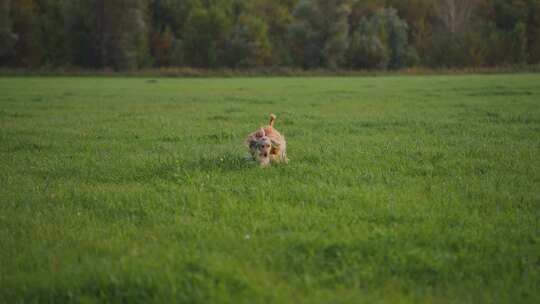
(344, 34)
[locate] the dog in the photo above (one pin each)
(267, 145)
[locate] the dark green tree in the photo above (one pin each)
(7, 37)
(122, 33)
(129, 34)
(24, 17)
(248, 44)
(319, 34)
(533, 31)
(381, 41)
(277, 15)
(49, 33)
(81, 37)
(205, 34)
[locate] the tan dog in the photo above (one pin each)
(267, 145)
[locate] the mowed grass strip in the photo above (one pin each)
(399, 189)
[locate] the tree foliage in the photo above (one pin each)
(319, 33)
(7, 37)
(381, 41)
(370, 34)
(248, 44)
(123, 33)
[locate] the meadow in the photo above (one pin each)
(421, 189)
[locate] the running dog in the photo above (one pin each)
(267, 145)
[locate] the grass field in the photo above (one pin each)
(400, 189)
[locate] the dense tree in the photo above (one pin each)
(81, 37)
(367, 50)
(533, 31)
(516, 26)
(49, 34)
(7, 36)
(319, 35)
(453, 34)
(168, 19)
(162, 44)
(381, 41)
(128, 34)
(455, 15)
(171, 14)
(420, 18)
(248, 44)
(24, 15)
(205, 34)
(122, 33)
(305, 36)
(277, 15)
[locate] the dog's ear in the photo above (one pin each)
(260, 133)
(275, 148)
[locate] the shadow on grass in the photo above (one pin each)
(193, 283)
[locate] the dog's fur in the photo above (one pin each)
(267, 145)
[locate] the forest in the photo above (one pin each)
(307, 34)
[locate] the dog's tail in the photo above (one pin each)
(272, 120)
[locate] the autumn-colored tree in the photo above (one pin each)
(128, 34)
(161, 47)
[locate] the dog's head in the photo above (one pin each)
(264, 146)
(260, 147)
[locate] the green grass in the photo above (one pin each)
(399, 189)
